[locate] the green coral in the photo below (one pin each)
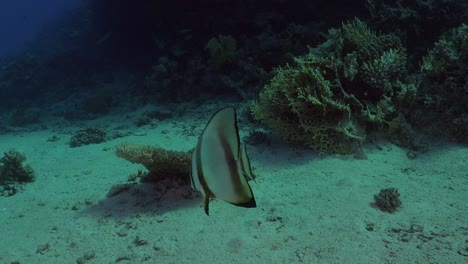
(420, 23)
(303, 106)
(388, 200)
(12, 172)
(327, 98)
(450, 50)
(382, 72)
(86, 136)
(356, 35)
(370, 64)
(442, 100)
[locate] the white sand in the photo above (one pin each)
(311, 209)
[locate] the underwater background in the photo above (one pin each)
(355, 116)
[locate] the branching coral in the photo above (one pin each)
(369, 64)
(13, 172)
(442, 101)
(326, 98)
(381, 72)
(420, 22)
(303, 106)
(12, 168)
(450, 50)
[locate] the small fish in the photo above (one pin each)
(220, 166)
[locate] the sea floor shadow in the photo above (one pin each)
(157, 198)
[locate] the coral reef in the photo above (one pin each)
(221, 72)
(418, 23)
(12, 172)
(86, 136)
(223, 50)
(356, 81)
(161, 48)
(20, 72)
(372, 67)
(24, 117)
(327, 98)
(388, 200)
(302, 106)
(160, 162)
(442, 102)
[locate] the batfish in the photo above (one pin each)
(220, 165)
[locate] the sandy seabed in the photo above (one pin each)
(311, 208)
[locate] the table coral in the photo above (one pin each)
(160, 162)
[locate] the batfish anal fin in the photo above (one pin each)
(206, 204)
(249, 204)
(244, 164)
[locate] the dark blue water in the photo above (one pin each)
(22, 20)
